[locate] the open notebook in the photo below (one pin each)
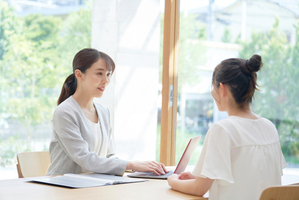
(84, 180)
(193, 142)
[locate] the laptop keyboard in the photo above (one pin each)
(164, 175)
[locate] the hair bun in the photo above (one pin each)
(254, 64)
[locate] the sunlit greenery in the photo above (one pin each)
(278, 80)
(182, 139)
(191, 51)
(36, 53)
(278, 98)
(35, 57)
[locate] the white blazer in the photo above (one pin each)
(71, 148)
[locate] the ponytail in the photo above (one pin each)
(68, 88)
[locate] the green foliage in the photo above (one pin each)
(9, 148)
(278, 98)
(7, 22)
(75, 34)
(36, 53)
(191, 50)
(182, 139)
(226, 36)
(39, 28)
(289, 138)
(28, 67)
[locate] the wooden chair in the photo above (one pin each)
(31, 164)
(287, 192)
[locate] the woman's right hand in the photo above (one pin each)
(186, 175)
(147, 166)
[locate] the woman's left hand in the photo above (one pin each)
(186, 176)
(171, 179)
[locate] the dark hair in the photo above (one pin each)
(240, 77)
(83, 60)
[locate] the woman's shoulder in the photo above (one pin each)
(267, 121)
(233, 119)
(231, 124)
(218, 128)
(234, 125)
(67, 107)
(243, 121)
(224, 123)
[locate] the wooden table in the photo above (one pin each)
(151, 190)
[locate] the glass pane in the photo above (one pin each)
(134, 88)
(159, 99)
(38, 40)
(211, 31)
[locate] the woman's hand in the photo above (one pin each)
(186, 175)
(172, 179)
(147, 166)
(198, 186)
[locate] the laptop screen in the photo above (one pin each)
(187, 155)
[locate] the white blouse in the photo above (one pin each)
(243, 156)
(98, 139)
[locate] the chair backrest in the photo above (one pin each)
(287, 192)
(31, 164)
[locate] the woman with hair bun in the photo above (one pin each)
(241, 155)
(82, 135)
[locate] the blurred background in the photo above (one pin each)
(39, 38)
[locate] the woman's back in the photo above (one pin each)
(243, 156)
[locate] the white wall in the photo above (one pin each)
(129, 31)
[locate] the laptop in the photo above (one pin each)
(193, 142)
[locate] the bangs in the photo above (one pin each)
(110, 66)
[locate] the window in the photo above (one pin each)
(38, 40)
(211, 31)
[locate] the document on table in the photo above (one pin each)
(84, 180)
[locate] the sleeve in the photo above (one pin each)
(111, 152)
(70, 139)
(215, 158)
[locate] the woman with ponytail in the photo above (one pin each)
(241, 155)
(82, 135)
